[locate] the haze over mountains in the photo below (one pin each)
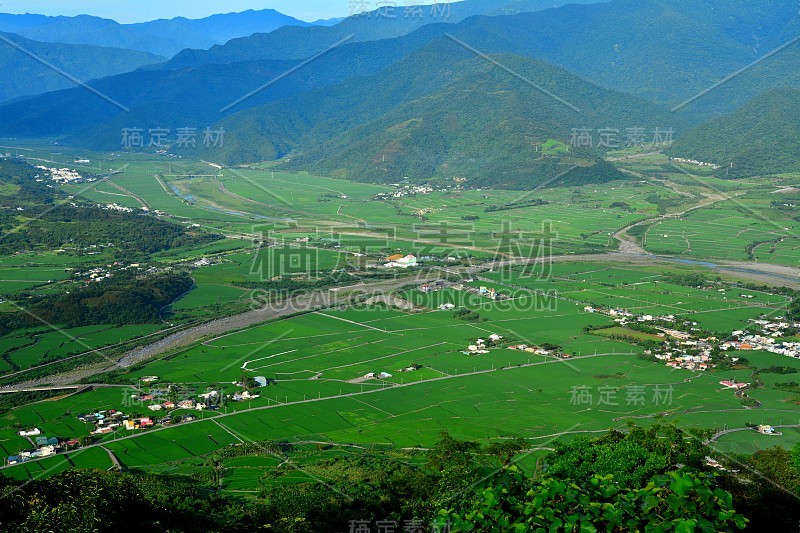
(382, 23)
(160, 37)
(59, 65)
(385, 95)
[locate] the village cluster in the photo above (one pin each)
(537, 350)
(99, 274)
(694, 162)
(117, 207)
(106, 422)
(768, 339)
(404, 191)
(42, 446)
(64, 175)
(484, 292)
(481, 346)
(386, 375)
(680, 348)
(400, 261)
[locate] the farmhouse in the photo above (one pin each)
(403, 262)
(47, 451)
(244, 396)
(731, 384)
(44, 441)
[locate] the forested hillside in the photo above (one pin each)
(761, 138)
(418, 119)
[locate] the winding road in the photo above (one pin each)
(629, 245)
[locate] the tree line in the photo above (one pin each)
(644, 479)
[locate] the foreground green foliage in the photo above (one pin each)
(457, 484)
(678, 501)
(631, 458)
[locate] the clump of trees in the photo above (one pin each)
(25, 190)
(686, 280)
(78, 227)
(467, 315)
(123, 299)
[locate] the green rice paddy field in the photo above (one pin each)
(320, 359)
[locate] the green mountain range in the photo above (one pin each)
(761, 138)
(442, 112)
(667, 52)
(332, 111)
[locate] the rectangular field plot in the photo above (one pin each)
(180, 442)
(27, 349)
(87, 458)
(245, 473)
